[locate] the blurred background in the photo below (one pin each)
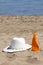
(21, 7)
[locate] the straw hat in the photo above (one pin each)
(17, 44)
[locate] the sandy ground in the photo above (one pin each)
(21, 26)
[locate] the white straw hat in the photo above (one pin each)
(17, 44)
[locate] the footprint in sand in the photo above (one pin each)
(35, 60)
(11, 56)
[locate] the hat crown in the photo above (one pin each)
(17, 42)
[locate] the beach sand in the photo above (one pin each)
(21, 26)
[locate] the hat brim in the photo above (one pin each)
(27, 46)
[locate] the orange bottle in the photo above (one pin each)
(35, 43)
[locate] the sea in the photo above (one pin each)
(21, 7)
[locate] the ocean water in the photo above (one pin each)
(21, 7)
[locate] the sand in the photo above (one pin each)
(21, 26)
